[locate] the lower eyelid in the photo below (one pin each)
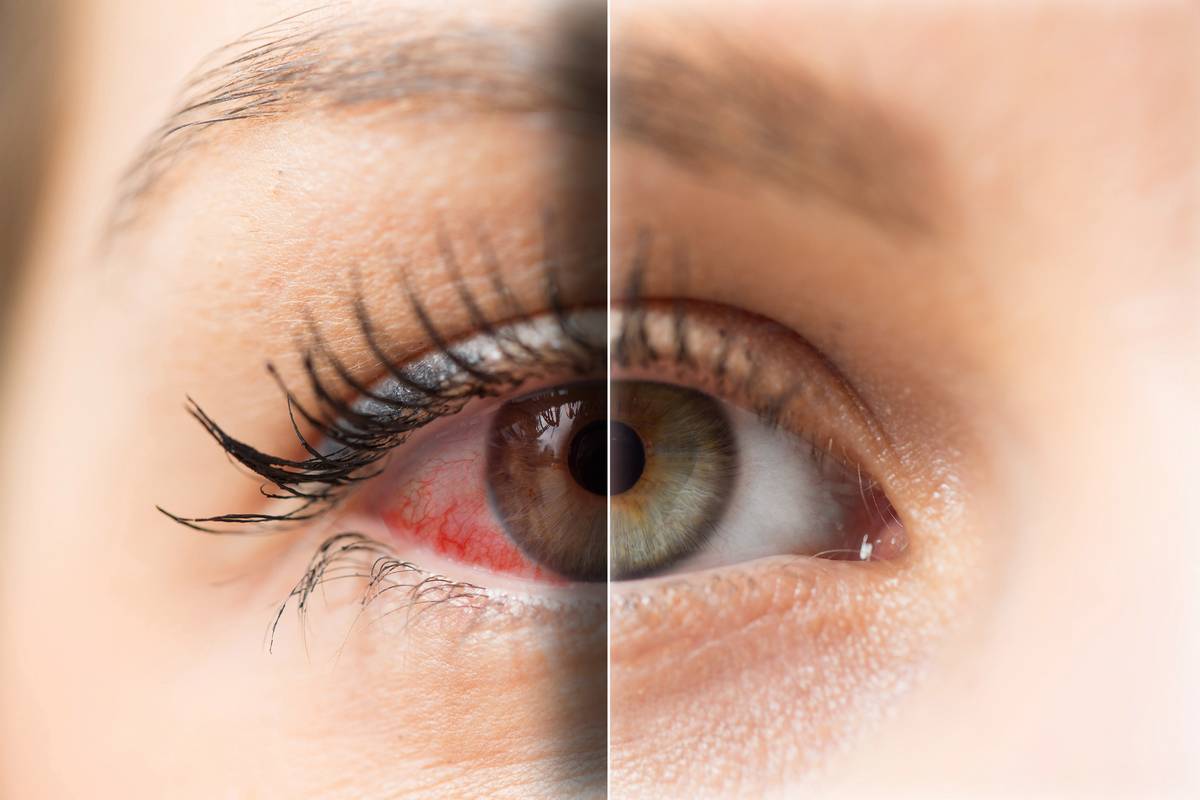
(826, 646)
(361, 581)
(348, 573)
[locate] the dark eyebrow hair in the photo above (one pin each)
(779, 123)
(321, 60)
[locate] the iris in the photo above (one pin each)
(667, 458)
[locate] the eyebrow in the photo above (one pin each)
(772, 120)
(780, 124)
(412, 64)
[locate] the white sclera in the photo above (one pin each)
(784, 500)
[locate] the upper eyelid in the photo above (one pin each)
(321, 481)
(352, 437)
(652, 331)
(441, 366)
(634, 299)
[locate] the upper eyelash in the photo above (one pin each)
(631, 344)
(361, 438)
(321, 479)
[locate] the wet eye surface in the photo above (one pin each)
(719, 486)
(676, 465)
(486, 490)
(673, 462)
(752, 447)
(546, 477)
(725, 470)
(720, 439)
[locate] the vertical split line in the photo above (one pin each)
(608, 395)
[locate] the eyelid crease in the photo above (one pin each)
(631, 340)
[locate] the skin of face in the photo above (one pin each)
(1031, 358)
(1029, 351)
(144, 667)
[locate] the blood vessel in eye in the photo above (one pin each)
(543, 513)
(460, 527)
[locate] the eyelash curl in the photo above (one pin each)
(353, 555)
(352, 438)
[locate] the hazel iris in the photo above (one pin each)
(671, 459)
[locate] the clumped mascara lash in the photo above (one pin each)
(349, 439)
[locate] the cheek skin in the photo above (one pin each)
(797, 660)
(490, 699)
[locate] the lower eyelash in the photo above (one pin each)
(355, 556)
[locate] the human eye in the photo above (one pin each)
(756, 642)
(693, 449)
(774, 529)
(709, 469)
(492, 492)
(429, 459)
(730, 444)
(716, 440)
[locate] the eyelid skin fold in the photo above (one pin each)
(751, 362)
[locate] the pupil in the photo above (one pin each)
(587, 456)
(628, 457)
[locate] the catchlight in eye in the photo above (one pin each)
(671, 458)
(545, 475)
(691, 482)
